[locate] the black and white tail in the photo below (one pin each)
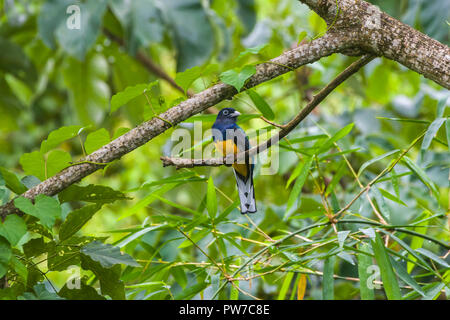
(246, 192)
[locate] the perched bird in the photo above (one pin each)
(230, 138)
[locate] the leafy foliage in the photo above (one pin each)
(140, 231)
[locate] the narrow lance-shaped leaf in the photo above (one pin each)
(285, 286)
(422, 176)
(328, 278)
(364, 263)
(431, 132)
(211, 199)
(390, 282)
(261, 104)
(299, 183)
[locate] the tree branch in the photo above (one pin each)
(374, 31)
(286, 129)
(304, 54)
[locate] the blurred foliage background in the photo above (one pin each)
(52, 77)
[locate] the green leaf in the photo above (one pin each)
(285, 286)
(142, 21)
(422, 176)
(45, 208)
(339, 135)
(364, 262)
(56, 137)
(391, 197)
(447, 129)
(53, 25)
(33, 164)
(131, 92)
(84, 292)
(238, 78)
(431, 132)
(5, 256)
(261, 104)
(299, 183)
(341, 236)
(95, 140)
(328, 278)
(89, 91)
(107, 255)
(234, 292)
(76, 220)
(191, 291)
(384, 208)
(12, 182)
(40, 292)
(57, 160)
(186, 78)
(91, 193)
(193, 34)
(441, 106)
(110, 283)
(302, 36)
(433, 257)
(13, 229)
(211, 199)
(371, 161)
(390, 282)
(406, 277)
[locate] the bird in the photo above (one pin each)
(229, 138)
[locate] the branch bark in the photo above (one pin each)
(374, 31)
(355, 28)
(295, 58)
(286, 129)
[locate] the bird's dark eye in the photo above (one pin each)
(225, 112)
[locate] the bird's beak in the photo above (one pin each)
(235, 114)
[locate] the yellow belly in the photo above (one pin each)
(228, 146)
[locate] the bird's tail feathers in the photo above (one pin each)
(246, 193)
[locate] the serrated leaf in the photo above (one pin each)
(33, 164)
(13, 228)
(57, 160)
(56, 137)
(45, 208)
(91, 193)
(238, 78)
(12, 182)
(95, 140)
(5, 256)
(107, 255)
(76, 220)
(129, 93)
(186, 78)
(261, 104)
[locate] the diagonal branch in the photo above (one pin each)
(286, 129)
(292, 59)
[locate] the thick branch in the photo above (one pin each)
(286, 129)
(378, 33)
(304, 54)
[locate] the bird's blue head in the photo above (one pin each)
(228, 115)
